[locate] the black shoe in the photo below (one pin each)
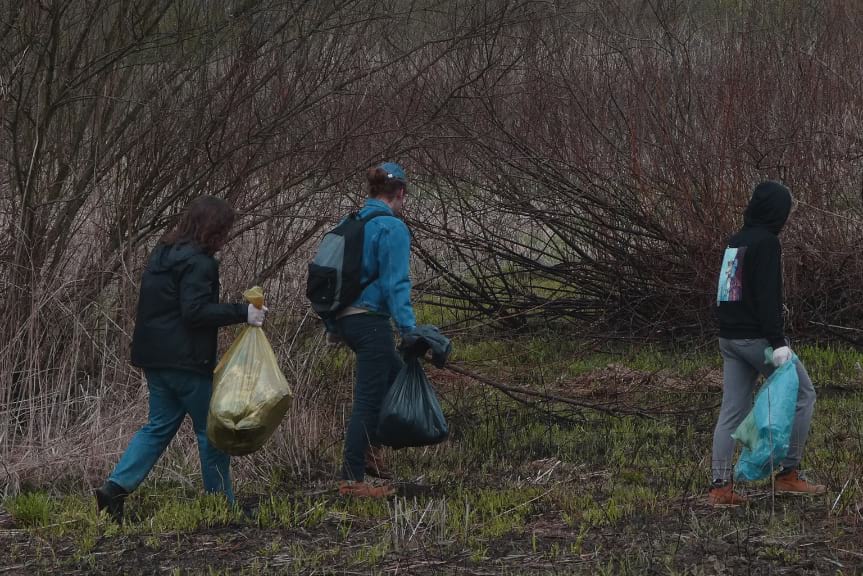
(110, 497)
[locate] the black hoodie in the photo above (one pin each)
(749, 296)
(179, 312)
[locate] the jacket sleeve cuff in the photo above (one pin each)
(242, 313)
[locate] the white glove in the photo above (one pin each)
(256, 316)
(781, 355)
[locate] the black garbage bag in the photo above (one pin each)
(411, 414)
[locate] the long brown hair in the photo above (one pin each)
(206, 222)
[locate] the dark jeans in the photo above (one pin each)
(378, 363)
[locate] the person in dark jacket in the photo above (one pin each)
(749, 308)
(174, 342)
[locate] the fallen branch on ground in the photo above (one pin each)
(514, 392)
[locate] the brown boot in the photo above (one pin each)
(376, 465)
(722, 495)
(793, 482)
(364, 490)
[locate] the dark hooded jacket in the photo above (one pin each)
(179, 312)
(749, 295)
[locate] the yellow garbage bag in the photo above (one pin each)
(250, 392)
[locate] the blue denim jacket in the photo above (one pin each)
(386, 252)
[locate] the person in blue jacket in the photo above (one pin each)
(174, 342)
(365, 326)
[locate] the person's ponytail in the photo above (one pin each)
(380, 184)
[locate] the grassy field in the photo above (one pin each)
(517, 489)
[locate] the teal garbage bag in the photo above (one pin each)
(765, 433)
(411, 414)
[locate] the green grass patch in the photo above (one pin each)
(31, 510)
(203, 511)
(833, 364)
(580, 491)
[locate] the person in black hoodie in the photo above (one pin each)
(749, 308)
(174, 342)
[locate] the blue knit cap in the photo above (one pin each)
(394, 171)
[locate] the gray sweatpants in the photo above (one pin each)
(743, 362)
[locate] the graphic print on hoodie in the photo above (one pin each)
(749, 293)
(731, 277)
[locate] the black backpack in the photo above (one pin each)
(334, 274)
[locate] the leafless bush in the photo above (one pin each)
(117, 113)
(598, 178)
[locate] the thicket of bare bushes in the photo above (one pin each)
(575, 160)
(598, 176)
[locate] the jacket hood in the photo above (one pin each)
(166, 256)
(769, 207)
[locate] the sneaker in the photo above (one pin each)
(794, 482)
(364, 490)
(376, 465)
(722, 495)
(110, 497)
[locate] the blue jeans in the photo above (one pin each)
(173, 394)
(371, 338)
